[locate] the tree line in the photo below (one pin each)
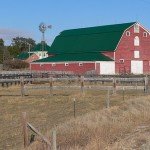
(10, 52)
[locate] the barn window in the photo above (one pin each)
(121, 61)
(136, 54)
(136, 28)
(136, 41)
(53, 64)
(66, 64)
(144, 34)
(80, 64)
(127, 33)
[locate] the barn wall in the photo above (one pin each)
(126, 48)
(146, 66)
(73, 67)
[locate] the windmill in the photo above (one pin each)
(43, 27)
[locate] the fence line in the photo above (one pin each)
(82, 80)
(114, 87)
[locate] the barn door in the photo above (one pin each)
(136, 67)
(107, 67)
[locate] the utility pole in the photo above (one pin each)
(29, 49)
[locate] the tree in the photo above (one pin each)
(1, 42)
(4, 53)
(20, 44)
(13, 50)
(23, 43)
(1, 50)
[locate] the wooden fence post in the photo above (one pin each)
(51, 85)
(82, 84)
(74, 107)
(114, 86)
(123, 92)
(146, 84)
(108, 99)
(136, 88)
(25, 129)
(22, 86)
(54, 140)
(2, 84)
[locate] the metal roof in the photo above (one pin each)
(75, 57)
(92, 39)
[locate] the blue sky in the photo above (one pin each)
(22, 17)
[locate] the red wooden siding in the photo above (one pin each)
(73, 67)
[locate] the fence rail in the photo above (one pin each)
(114, 83)
(74, 79)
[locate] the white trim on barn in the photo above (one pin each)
(136, 41)
(70, 62)
(128, 29)
(144, 28)
(123, 35)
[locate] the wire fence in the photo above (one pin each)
(107, 92)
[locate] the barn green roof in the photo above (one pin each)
(75, 57)
(92, 39)
(39, 47)
(24, 55)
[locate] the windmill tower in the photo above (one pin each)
(43, 27)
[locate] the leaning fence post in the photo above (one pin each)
(25, 129)
(54, 140)
(146, 84)
(82, 84)
(22, 86)
(108, 99)
(114, 86)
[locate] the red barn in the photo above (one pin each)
(110, 49)
(39, 51)
(28, 57)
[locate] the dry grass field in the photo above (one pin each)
(85, 132)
